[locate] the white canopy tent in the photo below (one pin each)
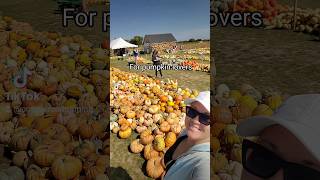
(119, 43)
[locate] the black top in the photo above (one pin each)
(168, 161)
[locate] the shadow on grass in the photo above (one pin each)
(119, 174)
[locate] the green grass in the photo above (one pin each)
(186, 79)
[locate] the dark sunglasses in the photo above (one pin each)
(203, 118)
(263, 163)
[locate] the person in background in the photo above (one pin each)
(288, 146)
(189, 157)
(156, 61)
(136, 55)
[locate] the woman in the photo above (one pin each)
(288, 147)
(136, 55)
(189, 157)
(156, 61)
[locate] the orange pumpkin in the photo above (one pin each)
(163, 98)
(165, 126)
(149, 152)
(154, 168)
(170, 139)
(46, 153)
(42, 123)
(66, 167)
(146, 137)
(136, 146)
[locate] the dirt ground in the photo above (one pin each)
(285, 61)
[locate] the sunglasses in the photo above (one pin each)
(263, 163)
(203, 118)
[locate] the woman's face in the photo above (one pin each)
(195, 130)
(282, 142)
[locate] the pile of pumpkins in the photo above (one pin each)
(196, 66)
(53, 95)
(154, 109)
(308, 20)
(230, 107)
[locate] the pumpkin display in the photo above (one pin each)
(66, 167)
(136, 146)
(154, 167)
(226, 156)
(64, 99)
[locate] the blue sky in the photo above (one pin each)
(185, 19)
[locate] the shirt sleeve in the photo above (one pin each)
(202, 170)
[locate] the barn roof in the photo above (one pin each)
(159, 38)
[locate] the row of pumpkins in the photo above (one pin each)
(308, 20)
(154, 109)
(41, 134)
(229, 109)
(196, 66)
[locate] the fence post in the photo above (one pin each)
(295, 15)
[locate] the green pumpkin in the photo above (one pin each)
(113, 117)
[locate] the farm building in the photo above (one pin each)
(159, 41)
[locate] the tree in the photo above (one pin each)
(199, 39)
(137, 40)
(192, 40)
